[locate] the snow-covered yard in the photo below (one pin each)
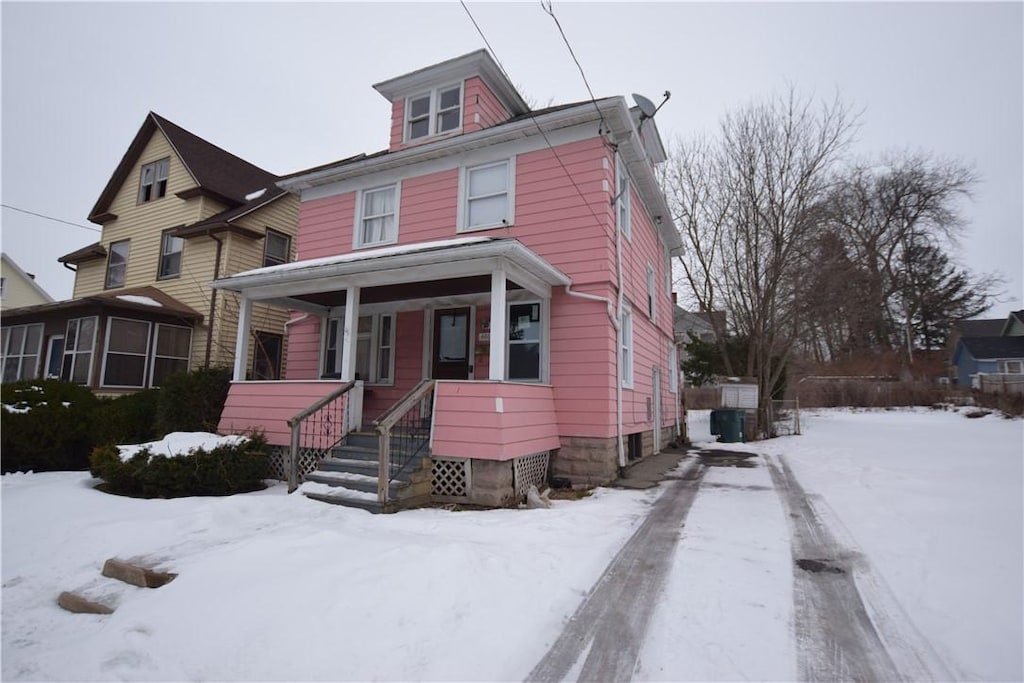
(278, 587)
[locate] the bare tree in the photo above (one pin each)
(749, 204)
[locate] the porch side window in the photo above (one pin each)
(375, 344)
(22, 346)
(524, 340)
(117, 264)
(378, 217)
(127, 350)
(488, 196)
(266, 363)
(170, 255)
(171, 352)
(626, 348)
(79, 341)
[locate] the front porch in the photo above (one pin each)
(437, 351)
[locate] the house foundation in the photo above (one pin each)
(492, 483)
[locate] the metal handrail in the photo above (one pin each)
(384, 424)
(296, 422)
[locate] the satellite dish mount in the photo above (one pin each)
(647, 108)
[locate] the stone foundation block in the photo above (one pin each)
(491, 483)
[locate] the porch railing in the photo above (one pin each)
(403, 435)
(320, 427)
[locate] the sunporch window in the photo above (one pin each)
(22, 345)
(79, 342)
(524, 341)
(375, 343)
(127, 349)
(171, 352)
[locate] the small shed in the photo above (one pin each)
(743, 393)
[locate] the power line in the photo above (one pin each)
(486, 42)
(550, 10)
(51, 218)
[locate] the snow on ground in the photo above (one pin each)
(278, 587)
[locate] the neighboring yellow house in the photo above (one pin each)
(177, 213)
(18, 288)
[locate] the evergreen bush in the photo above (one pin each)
(46, 425)
(192, 401)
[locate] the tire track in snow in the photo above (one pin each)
(843, 634)
(602, 640)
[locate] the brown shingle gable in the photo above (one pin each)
(214, 170)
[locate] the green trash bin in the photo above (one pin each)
(728, 424)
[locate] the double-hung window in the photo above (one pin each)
(127, 352)
(673, 368)
(276, 248)
(1012, 367)
(524, 341)
(153, 180)
(375, 348)
(488, 192)
(652, 304)
(434, 112)
(622, 212)
(377, 221)
(626, 348)
(171, 351)
(117, 264)
(22, 347)
(79, 341)
(170, 255)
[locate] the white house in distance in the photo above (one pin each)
(18, 288)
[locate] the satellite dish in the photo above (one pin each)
(647, 108)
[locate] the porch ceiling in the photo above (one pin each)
(432, 269)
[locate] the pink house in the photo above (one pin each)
(483, 305)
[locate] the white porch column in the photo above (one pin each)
(499, 325)
(242, 338)
(351, 335)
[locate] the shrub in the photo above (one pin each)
(46, 425)
(127, 419)
(221, 471)
(192, 401)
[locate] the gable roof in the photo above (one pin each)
(147, 299)
(989, 327)
(215, 171)
(30, 280)
(994, 348)
(1014, 317)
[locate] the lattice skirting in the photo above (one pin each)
(529, 470)
(449, 479)
(309, 460)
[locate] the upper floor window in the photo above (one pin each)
(626, 348)
(153, 180)
(434, 112)
(377, 222)
(170, 255)
(652, 306)
(3, 287)
(276, 248)
(622, 216)
(117, 264)
(488, 196)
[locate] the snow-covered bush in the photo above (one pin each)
(236, 465)
(46, 425)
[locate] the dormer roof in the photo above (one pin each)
(479, 63)
(217, 173)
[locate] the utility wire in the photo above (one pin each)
(550, 10)
(51, 218)
(534, 119)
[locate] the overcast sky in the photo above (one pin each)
(288, 86)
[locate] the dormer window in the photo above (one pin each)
(153, 180)
(435, 112)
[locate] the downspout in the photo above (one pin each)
(618, 343)
(213, 296)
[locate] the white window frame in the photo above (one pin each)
(434, 112)
(652, 300)
(626, 347)
(151, 375)
(50, 356)
(158, 172)
(166, 237)
(271, 259)
(110, 254)
(623, 210)
(1005, 366)
(76, 352)
(357, 232)
(668, 273)
(510, 195)
(376, 345)
(145, 354)
(673, 368)
(542, 340)
(21, 354)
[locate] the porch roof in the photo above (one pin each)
(298, 284)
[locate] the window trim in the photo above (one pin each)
(542, 340)
(652, 300)
(673, 368)
(462, 220)
(1004, 367)
(626, 347)
(160, 275)
(151, 375)
(22, 355)
(110, 255)
(145, 355)
(76, 352)
(50, 356)
(434, 111)
(357, 226)
(287, 247)
(159, 191)
(623, 203)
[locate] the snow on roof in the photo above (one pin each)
(136, 299)
(255, 195)
(365, 254)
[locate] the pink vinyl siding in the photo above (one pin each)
(481, 108)
(303, 353)
(397, 124)
(267, 407)
(325, 226)
(493, 420)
